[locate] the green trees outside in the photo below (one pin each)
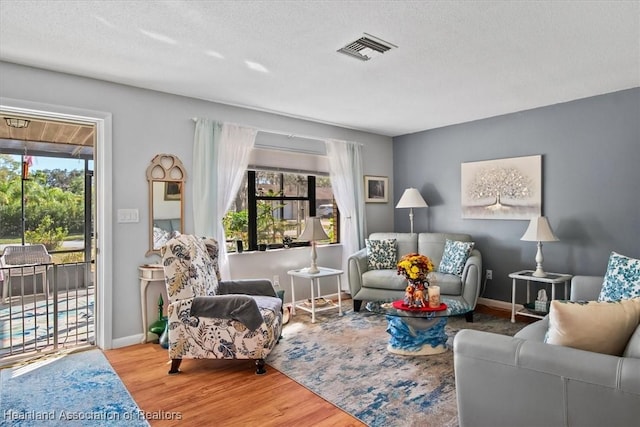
(270, 228)
(47, 234)
(236, 225)
(54, 203)
(281, 207)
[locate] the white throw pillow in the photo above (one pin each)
(598, 326)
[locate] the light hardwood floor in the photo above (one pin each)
(219, 392)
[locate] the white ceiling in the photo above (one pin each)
(456, 61)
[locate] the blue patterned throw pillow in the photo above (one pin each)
(622, 280)
(381, 254)
(454, 257)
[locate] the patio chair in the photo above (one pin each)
(21, 261)
(213, 319)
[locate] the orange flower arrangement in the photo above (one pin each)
(415, 268)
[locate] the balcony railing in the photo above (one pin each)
(46, 307)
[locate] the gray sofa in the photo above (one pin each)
(521, 381)
(378, 285)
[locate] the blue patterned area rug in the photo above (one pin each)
(66, 389)
(345, 361)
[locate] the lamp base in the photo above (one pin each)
(539, 258)
(539, 273)
(411, 219)
(314, 266)
(311, 270)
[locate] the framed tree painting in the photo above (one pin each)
(502, 189)
(376, 189)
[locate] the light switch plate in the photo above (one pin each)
(128, 215)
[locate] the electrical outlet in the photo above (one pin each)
(489, 274)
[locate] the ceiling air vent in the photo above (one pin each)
(366, 47)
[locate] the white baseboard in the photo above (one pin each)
(504, 305)
(130, 340)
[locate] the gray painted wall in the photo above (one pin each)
(146, 123)
(590, 177)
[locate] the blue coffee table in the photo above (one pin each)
(418, 333)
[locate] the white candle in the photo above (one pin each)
(434, 296)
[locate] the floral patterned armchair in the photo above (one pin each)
(213, 319)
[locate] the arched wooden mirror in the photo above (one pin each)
(166, 176)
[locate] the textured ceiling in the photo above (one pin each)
(455, 62)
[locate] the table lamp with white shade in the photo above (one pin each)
(539, 231)
(411, 198)
(313, 231)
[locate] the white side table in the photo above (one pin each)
(527, 275)
(315, 283)
(148, 273)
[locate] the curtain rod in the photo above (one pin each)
(287, 134)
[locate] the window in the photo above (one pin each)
(271, 208)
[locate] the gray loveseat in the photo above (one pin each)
(521, 381)
(377, 285)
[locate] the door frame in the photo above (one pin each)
(103, 201)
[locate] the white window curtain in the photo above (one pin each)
(345, 170)
(220, 159)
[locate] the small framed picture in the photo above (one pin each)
(376, 189)
(172, 190)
